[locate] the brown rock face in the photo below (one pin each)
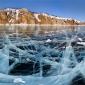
(82, 23)
(23, 16)
(3, 17)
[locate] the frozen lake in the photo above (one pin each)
(42, 55)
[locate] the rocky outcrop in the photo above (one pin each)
(23, 16)
(82, 23)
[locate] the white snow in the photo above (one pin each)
(44, 14)
(81, 43)
(48, 40)
(60, 18)
(36, 16)
(80, 39)
(67, 19)
(19, 80)
(10, 9)
(17, 14)
(77, 21)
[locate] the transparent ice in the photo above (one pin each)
(54, 48)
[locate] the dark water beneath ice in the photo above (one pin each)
(37, 54)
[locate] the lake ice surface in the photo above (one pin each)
(42, 55)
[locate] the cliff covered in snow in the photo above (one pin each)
(24, 16)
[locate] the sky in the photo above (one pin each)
(63, 8)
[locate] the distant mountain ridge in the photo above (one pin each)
(24, 16)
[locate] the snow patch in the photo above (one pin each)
(36, 16)
(44, 14)
(10, 9)
(80, 39)
(81, 43)
(48, 40)
(19, 80)
(17, 14)
(60, 18)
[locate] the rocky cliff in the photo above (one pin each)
(24, 16)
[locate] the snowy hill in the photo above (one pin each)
(24, 16)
